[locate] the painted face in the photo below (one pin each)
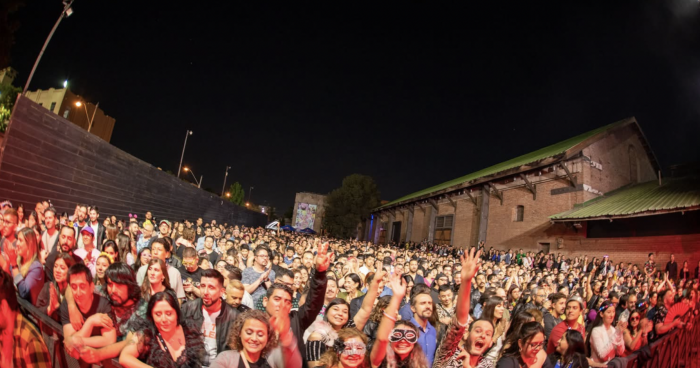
(60, 270)
(253, 336)
(164, 316)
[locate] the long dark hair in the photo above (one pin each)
(123, 246)
(167, 296)
(490, 307)
(137, 261)
(597, 321)
(526, 333)
(576, 352)
(518, 321)
(121, 273)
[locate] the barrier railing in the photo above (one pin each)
(677, 349)
(52, 332)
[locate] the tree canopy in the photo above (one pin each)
(349, 205)
(237, 194)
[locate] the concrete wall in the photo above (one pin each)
(44, 156)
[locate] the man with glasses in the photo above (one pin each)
(284, 277)
(8, 231)
(258, 278)
(191, 273)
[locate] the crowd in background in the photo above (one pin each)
(160, 293)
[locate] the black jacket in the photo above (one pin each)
(302, 318)
(192, 311)
(99, 237)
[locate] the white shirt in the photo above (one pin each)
(209, 332)
(91, 264)
(49, 241)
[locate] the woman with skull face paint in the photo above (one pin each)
(396, 341)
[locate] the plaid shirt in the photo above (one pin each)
(30, 351)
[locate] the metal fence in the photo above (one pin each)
(677, 349)
(52, 332)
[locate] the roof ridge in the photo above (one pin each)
(527, 158)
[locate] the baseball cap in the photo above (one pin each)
(166, 221)
(88, 229)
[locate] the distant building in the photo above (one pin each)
(7, 76)
(62, 102)
(309, 209)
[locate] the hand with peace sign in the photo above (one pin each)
(323, 261)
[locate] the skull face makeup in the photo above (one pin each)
(399, 334)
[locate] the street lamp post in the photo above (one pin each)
(67, 11)
(250, 192)
(199, 183)
(90, 119)
(189, 133)
(225, 177)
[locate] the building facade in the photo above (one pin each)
(509, 205)
(63, 102)
(309, 209)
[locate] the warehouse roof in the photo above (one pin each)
(561, 150)
(650, 198)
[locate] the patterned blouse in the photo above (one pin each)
(447, 352)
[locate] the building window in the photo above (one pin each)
(443, 229)
(518, 213)
(53, 106)
(41, 104)
(65, 113)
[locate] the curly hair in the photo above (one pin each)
(378, 310)
(330, 357)
(234, 338)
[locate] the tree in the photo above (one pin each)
(349, 205)
(237, 194)
(8, 96)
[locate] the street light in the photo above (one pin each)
(189, 133)
(67, 11)
(225, 176)
(199, 183)
(90, 119)
(228, 195)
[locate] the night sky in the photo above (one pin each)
(295, 99)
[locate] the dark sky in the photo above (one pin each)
(295, 99)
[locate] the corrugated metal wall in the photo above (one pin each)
(44, 156)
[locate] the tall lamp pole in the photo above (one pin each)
(250, 192)
(189, 133)
(67, 11)
(199, 183)
(225, 177)
(90, 119)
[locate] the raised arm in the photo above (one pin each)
(362, 315)
(388, 320)
(317, 289)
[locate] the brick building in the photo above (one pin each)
(509, 205)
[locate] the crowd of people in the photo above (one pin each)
(155, 293)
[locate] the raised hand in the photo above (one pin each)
(398, 285)
(465, 357)
(323, 261)
(470, 264)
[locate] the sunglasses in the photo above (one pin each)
(634, 319)
(399, 334)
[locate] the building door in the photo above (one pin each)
(396, 232)
(544, 247)
(443, 230)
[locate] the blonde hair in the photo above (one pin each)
(32, 245)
